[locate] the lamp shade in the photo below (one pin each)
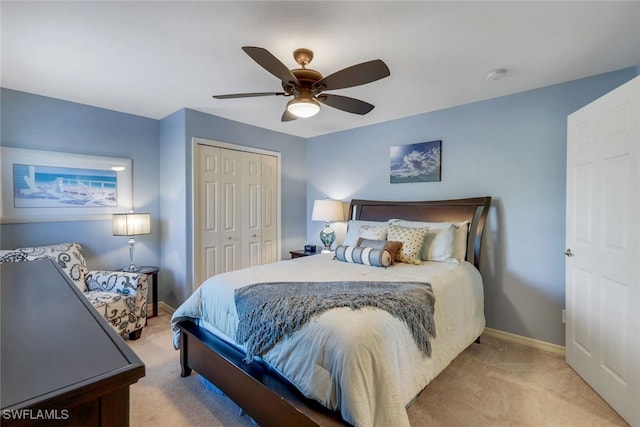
(303, 107)
(131, 224)
(327, 210)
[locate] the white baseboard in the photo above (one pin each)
(530, 342)
(163, 306)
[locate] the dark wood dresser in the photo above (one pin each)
(61, 363)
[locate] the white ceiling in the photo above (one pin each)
(154, 58)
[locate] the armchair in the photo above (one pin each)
(120, 297)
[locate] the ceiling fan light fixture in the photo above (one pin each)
(303, 107)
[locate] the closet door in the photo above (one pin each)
(217, 206)
(230, 210)
(235, 210)
(269, 216)
(259, 209)
(207, 213)
(251, 209)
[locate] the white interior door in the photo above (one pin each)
(207, 208)
(230, 210)
(251, 209)
(269, 218)
(603, 235)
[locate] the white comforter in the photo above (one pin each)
(363, 363)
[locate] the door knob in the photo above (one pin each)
(568, 253)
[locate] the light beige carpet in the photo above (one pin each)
(496, 383)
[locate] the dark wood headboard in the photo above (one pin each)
(474, 210)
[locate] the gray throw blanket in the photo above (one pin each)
(269, 312)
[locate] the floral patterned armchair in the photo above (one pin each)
(121, 297)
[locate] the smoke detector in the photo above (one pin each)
(496, 74)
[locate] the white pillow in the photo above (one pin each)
(354, 227)
(439, 245)
(460, 234)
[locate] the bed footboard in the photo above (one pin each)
(260, 391)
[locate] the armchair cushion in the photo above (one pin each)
(121, 297)
(113, 281)
(67, 255)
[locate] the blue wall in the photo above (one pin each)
(512, 148)
(177, 131)
(42, 123)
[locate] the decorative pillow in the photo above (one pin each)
(412, 241)
(392, 247)
(439, 245)
(67, 255)
(364, 255)
(353, 230)
(460, 238)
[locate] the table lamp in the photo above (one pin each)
(131, 224)
(327, 211)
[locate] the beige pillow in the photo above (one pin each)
(412, 240)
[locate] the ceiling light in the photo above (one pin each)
(303, 107)
(496, 74)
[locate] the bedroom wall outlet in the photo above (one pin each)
(564, 316)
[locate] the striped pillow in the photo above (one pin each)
(363, 255)
(392, 247)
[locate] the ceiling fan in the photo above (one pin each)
(307, 85)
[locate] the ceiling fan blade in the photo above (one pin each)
(270, 63)
(355, 75)
(344, 103)
(248, 95)
(287, 116)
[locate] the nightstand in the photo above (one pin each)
(301, 253)
(152, 274)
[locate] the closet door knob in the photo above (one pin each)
(568, 253)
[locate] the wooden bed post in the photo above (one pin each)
(185, 370)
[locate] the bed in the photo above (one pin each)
(360, 367)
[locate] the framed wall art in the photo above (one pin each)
(47, 186)
(419, 162)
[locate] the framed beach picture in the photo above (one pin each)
(46, 186)
(419, 162)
